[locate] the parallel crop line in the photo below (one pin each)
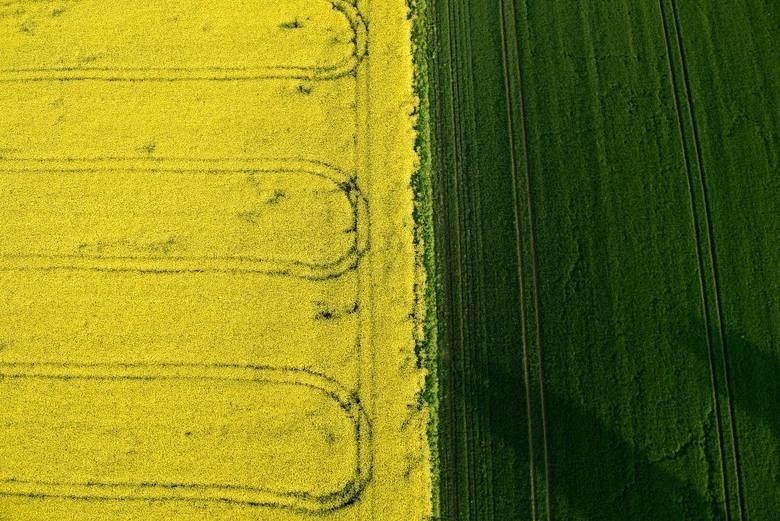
(444, 124)
(461, 304)
(484, 431)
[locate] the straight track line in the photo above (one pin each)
(530, 215)
(713, 256)
(519, 236)
(700, 261)
(700, 264)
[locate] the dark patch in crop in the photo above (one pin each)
(162, 247)
(148, 148)
(330, 438)
(291, 25)
(277, 197)
(89, 58)
(328, 313)
(251, 217)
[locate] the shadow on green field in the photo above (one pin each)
(754, 375)
(612, 480)
(596, 474)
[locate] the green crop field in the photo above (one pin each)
(606, 202)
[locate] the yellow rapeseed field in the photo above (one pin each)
(208, 278)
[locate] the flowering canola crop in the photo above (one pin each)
(208, 275)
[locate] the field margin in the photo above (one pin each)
(426, 343)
